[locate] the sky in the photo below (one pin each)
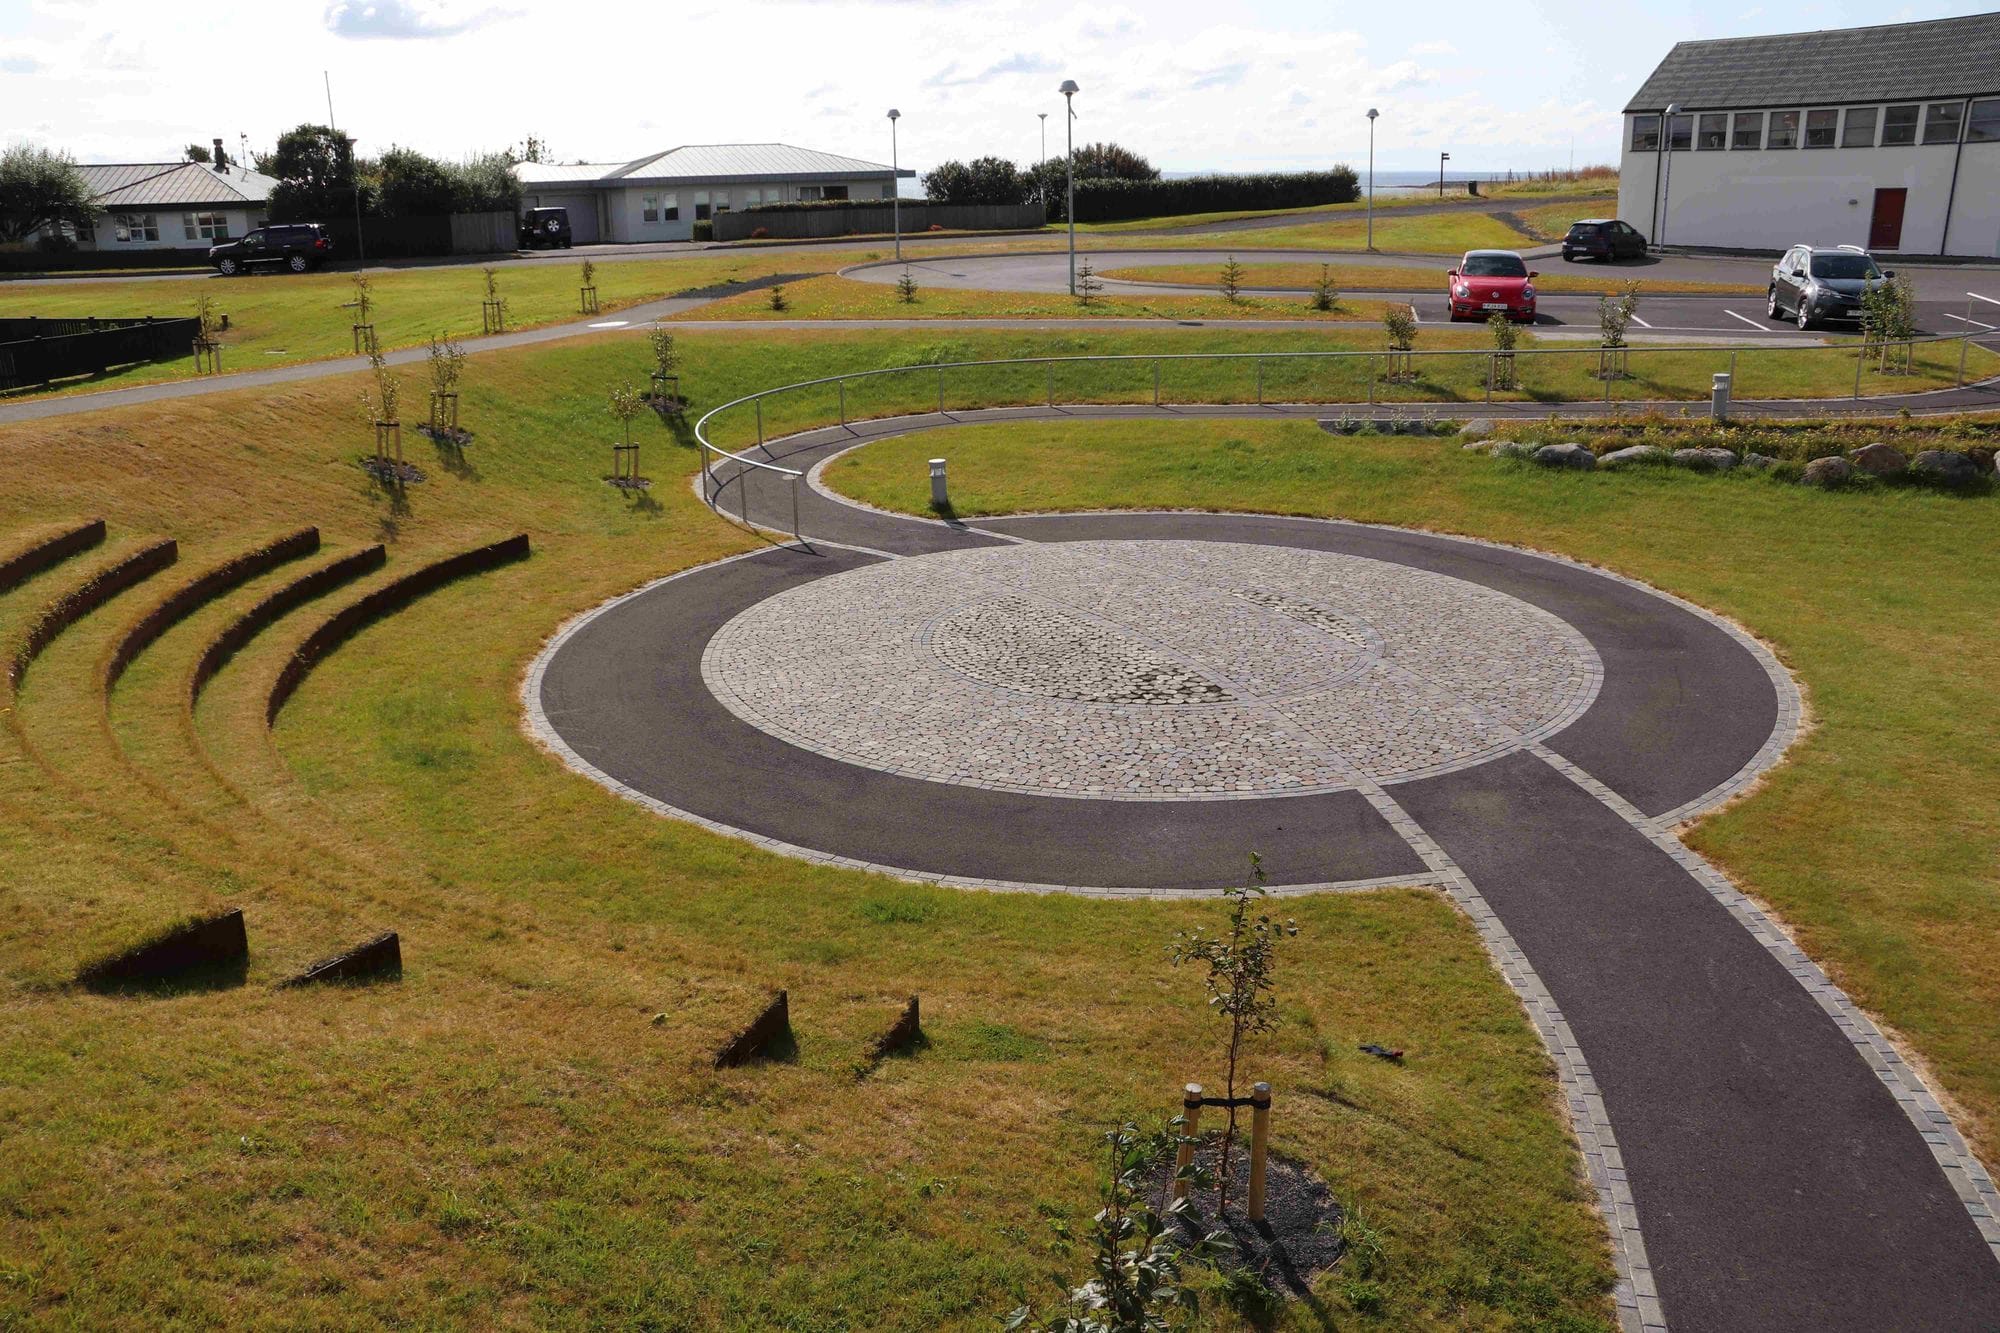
(1241, 85)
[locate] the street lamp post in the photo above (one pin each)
(1070, 90)
(1372, 113)
(1041, 177)
(1667, 166)
(1442, 159)
(895, 183)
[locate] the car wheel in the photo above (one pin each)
(226, 267)
(1804, 316)
(1771, 304)
(297, 264)
(1569, 256)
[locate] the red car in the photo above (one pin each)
(1489, 282)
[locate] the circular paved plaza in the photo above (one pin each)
(1151, 670)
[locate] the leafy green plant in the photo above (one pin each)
(1088, 284)
(1239, 964)
(777, 298)
(1232, 281)
(625, 404)
(906, 287)
(1399, 321)
(1888, 316)
(1138, 1283)
(1506, 337)
(447, 363)
(1325, 297)
(383, 405)
(1614, 314)
(589, 273)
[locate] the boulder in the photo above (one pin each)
(1878, 459)
(1566, 455)
(1635, 453)
(1705, 460)
(1945, 466)
(1758, 462)
(1476, 429)
(1516, 449)
(1828, 472)
(1480, 446)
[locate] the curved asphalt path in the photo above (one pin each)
(1788, 1171)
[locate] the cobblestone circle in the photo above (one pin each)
(1152, 670)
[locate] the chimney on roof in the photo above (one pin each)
(221, 163)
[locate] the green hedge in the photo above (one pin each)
(1117, 200)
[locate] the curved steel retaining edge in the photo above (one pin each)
(185, 600)
(273, 608)
(18, 568)
(79, 602)
(385, 600)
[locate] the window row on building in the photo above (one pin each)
(666, 205)
(1891, 126)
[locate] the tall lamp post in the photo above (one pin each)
(1442, 159)
(1070, 90)
(1372, 113)
(1041, 177)
(895, 183)
(1667, 166)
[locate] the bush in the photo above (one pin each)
(1107, 200)
(703, 230)
(984, 180)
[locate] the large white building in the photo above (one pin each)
(661, 197)
(1885, 137)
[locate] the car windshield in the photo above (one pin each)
(1844, 266)
(1494, 266)
(1583, 229)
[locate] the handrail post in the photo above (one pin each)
(1156, 381)
(798, 536)
(940, 390)
(1964, 346)
(843, 402)
(1859, 356)
(1052, 384)
(760, 424)
(1371, 380)
(1492, 373)
(1260, 381)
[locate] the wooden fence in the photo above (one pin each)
(38, 351)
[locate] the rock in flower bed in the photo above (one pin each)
(1571, 455)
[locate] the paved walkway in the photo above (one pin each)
(1764, 1159)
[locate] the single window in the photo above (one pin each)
(1784, 130)
(836, 191)
(649, 208)
(1645, 134)
(702, 212)
(1858, 131)
(1899, 125)
(1749, 130)
(1680, 133)
(722, 201)
(1494, 266)
(1713, 131)
(1984, 127)
(205, 226)
(1821, 127)
(670, 207)
(1941, 122)
(136, 227)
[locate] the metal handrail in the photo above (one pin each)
(712, 484)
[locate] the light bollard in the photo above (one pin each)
(1718, 396)
(1190, 1127)
(940, 495)
(1260, 1146)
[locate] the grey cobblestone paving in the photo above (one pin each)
(1151, 670)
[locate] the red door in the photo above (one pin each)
(1885, 228)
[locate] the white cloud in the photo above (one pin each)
(403, 19)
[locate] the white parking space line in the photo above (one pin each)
(1761, 328)
(1988, 299)
(1977, 322)
(612, 324)
(1640, 322)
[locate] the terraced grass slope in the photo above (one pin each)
(526, 1130)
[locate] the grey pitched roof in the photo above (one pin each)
(1955, 57)
(693, 163)
(172, 185)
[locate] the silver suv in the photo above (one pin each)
(1813, 283)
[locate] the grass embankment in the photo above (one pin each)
(1550, 222)
(1594, 181)
(1425, 234)
(524, 1131)
(279, 318)
(1302, 275)
(835, 298)
(1876, 842)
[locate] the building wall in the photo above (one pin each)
(624, 205)
(173, 233)
(1771, 199)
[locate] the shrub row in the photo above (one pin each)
(280, 603)
(1116, 200)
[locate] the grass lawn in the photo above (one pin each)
(279, 318)
(1301, 276)
(524, 1132)
(1427, 234)
(832, 298)
(1877, 841)
(1550, 222)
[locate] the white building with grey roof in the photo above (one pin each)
(660, 197)
(1885, 137)
(169, 205)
